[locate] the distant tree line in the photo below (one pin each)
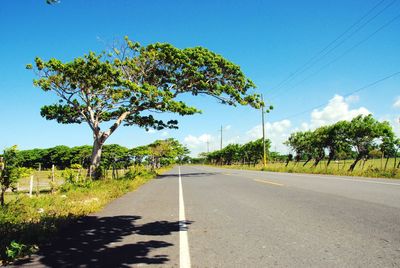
(249, 153)
(360, 139)
(156, 154)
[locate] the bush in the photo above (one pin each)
(138, 171)
(17, 250)
(74, 178)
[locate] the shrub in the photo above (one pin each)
(74, 178)
(138, 171)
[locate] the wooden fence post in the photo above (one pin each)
(37, 179)
(52, 179)
(31, 186)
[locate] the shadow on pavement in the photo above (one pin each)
(192, 174)
(99, 242)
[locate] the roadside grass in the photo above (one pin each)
(41, 180)
(373, 168)
(26, 222)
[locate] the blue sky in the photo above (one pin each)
(270, 40)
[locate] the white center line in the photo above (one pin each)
(184, 256)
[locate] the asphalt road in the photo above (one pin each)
(235, 218)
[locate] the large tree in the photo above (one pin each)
(132, 83)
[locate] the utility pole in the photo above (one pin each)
(221, 138)
(208, 146)
(263, 132)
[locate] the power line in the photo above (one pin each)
(343, 54)
(345, 95)
(310, 63)
(221, 139)
(318, 57)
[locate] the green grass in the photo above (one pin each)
(31, 221)
(373, 168)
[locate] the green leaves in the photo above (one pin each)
(63, 114)
(137, 79)
(9, 170)
(251, 153)
(51, 2)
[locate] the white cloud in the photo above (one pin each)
(277, 132)
(164, 134)
(394, 121)
(198, 144)
(228, 127)
(352, 99)
(275, 128)
(151, 131)
(396, 103)
(235, 139)
(337, 109)
(194, 142)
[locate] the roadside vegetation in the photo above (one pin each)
(27, 221)
(360, 147)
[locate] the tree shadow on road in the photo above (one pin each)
(105, 242)
(192, 174)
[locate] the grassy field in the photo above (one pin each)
(26, 222)
(374, 168)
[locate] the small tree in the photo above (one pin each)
(295, 142)
(9, 171)
(139, 154)
(362, 135)
(132, 83)
(388, 145)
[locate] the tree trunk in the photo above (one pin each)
(2, 197)
(358, 158)
(386, 163)
(95, 159)
(330, 158)
(363, 164)
(329, 161)
(318, 160)
(308, 160)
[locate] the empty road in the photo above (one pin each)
(212, 217)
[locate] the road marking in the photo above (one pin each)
(328, 177)
(269, 182)
(184, 256)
